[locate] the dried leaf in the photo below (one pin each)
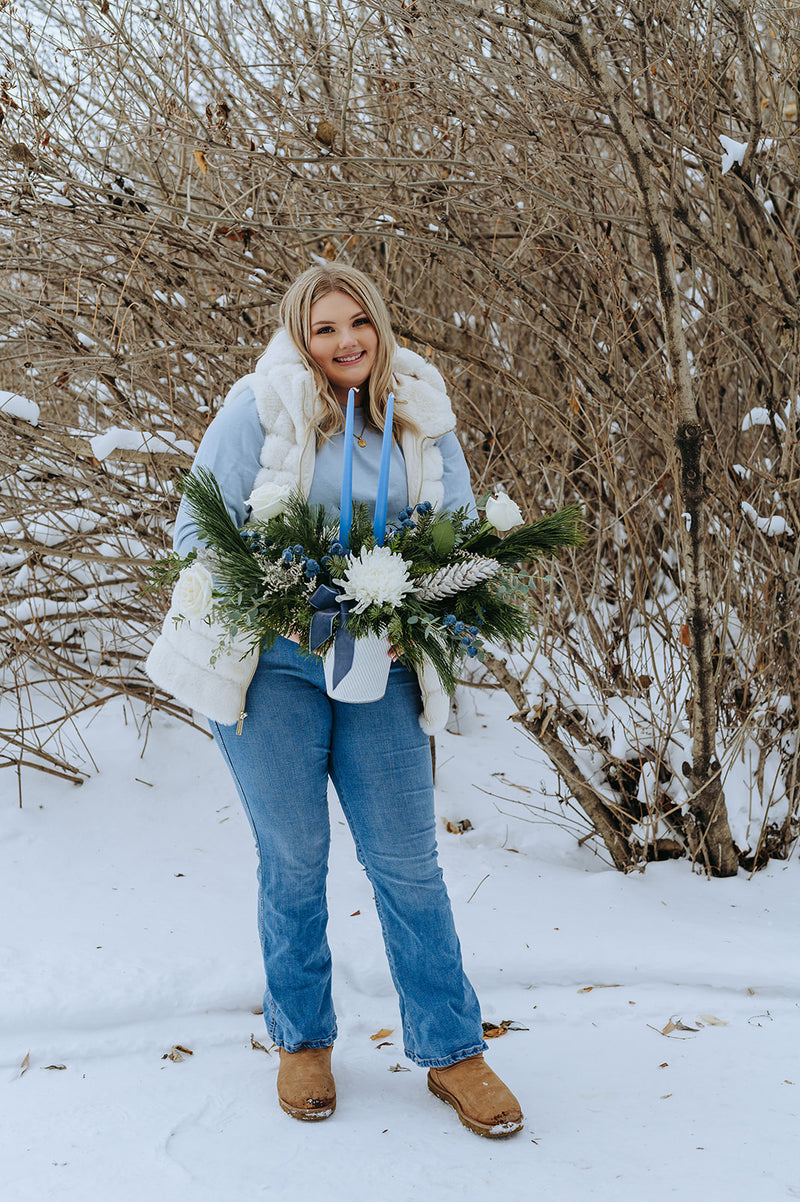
(664, 1065)
(58, 1066)
(355, 913)
(201, 161)
(458, 828)
(681, 1026)
(671, 1026)
(589, 988)
(326, 132)
(26, 1064)
(398, 1068)
(384, 1031)
(711, 1020)
(258, 1047)
(686, 635)
(177, 1053)
(493, 1030)
(386, 1044)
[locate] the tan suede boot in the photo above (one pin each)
(478, 1096)
(306, 1088)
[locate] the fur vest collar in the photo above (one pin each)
(288, 408)
(180, 661)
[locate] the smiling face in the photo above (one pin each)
(343, 342)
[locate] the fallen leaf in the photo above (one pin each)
(671, 1026)
(712, 1021)
(258, 1047)
(384, 1031)
(664, 1065)
(26, 1064)
(58, 1066)
(458, 828)
(665, 1095)
(681, 1026)
(589, 988)
(201, 161)
(177, 1053)
(401, 1068)
(386, 1044)
(493, 1030)
(355, 913)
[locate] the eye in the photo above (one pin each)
(323, 330)
(362, 321)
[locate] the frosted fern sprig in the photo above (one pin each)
(455, 577)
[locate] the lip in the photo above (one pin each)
(349, 360)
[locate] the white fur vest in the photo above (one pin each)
(179, 661)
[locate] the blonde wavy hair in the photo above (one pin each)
(295, 317)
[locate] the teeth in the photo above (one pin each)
(350, 358)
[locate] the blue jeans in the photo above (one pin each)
(378, 758)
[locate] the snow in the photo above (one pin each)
(734, 152)
(19, 406)
(771, 526)
(50, 529)
(116, 438)
(762, 417)
(661, 1008)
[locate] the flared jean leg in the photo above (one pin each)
(280, 766)
(381, 768)
(379, 760)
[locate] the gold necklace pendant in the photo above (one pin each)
(360, 439)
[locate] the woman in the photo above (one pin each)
(284, 424)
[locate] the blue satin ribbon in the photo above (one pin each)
(327, 606)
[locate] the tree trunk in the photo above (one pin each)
(712, 837)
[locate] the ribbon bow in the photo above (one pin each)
(325, 602)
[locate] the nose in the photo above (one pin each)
(347, 338)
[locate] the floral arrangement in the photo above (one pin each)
(437, 585)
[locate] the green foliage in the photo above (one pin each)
(266, 574)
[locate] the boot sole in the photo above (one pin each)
(308, 1116)
(487, 1130)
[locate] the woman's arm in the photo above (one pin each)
(231, 449)
(455, 475)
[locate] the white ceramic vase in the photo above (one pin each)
(368, 675)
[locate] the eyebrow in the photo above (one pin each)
(355, 317)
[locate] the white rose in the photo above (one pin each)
(268, 500)
(192, 593)
(503, 513)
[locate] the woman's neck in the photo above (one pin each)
(341, 395)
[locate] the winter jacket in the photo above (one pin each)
(288, 408)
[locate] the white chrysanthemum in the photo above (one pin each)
(376, 577)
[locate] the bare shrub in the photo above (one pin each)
(540, 191)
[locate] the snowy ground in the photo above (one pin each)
(129, 928)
